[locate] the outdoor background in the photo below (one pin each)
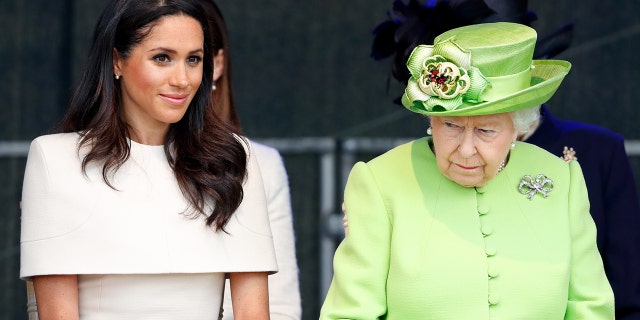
(304, 83)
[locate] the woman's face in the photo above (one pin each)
(161, 75)
(469, 150)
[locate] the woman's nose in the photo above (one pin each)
(179, 77)
(467, 147)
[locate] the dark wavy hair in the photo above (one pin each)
(206, 154)
(222, 98)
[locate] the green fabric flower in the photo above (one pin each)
(442, 78)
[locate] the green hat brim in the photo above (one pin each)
(546, 77)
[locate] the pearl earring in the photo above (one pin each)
(213, 86)
(429, 131)
(501, 166)
(117, 76)
(513, 144)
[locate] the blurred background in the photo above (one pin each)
(305, 84)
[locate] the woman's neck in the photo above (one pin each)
(148, 138)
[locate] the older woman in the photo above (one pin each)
(470, 223)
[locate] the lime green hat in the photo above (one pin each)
(480, 69)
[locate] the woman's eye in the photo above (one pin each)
(451, 125)
(486, 132)
(194, 60)
(162, 58)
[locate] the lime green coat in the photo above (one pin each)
(423, 247)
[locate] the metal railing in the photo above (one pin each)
(301, 145)
(335, 159)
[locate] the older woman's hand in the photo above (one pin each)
(345, 221)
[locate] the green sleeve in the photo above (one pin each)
(590, 295)
(361, 262)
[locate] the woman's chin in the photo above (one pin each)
(465, 180)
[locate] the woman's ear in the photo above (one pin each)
(117, 60)
(218, 65)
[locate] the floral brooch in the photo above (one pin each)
(442, 76)
(443, 79)
(530, 186)
(568, 154)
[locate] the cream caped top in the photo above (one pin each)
(76, 224)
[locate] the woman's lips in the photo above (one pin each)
(175, 99)
(466, 168)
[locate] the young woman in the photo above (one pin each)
(144, 200)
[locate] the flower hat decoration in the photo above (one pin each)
(440, 82)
